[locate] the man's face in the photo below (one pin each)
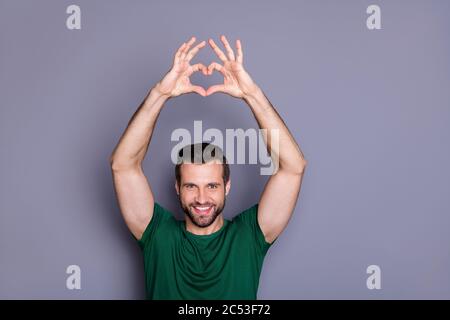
(202, 192)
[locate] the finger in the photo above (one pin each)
(198, 67)
(215, 66)
(228, 48)
(217, 50)
(197, 89)
(179, 51)
(215, 88)
(194, 51)
(186, 48)
(240, 56)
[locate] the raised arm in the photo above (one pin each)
(132, 189)
(281, 192)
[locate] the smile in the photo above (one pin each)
(203, 210)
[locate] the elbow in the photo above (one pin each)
(303, 165)
(113, 163)
(118, 165)
(297, 169)
(301, 168)
(111, 160)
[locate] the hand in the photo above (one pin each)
(176, 82)
(237, 82)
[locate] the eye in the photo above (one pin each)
(213, 186)
(189, 186)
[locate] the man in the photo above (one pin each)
(205, 256)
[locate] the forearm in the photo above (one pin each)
(133, 145)
(283, 148)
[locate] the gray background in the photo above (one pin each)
(370, 110)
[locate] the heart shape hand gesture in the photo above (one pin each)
(237, 82)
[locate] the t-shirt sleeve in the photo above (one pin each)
(161, 218)
(249, 217)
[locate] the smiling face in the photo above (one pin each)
(202, 192)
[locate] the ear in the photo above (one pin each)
(228, 186)
(176, 187)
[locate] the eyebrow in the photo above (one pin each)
(210, 183)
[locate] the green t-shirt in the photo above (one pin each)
(223, 265)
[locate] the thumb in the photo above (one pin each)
(215, 88)
(198, 89)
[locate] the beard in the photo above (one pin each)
(202, 221)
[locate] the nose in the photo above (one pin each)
(201, 196)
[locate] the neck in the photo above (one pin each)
(215, 226)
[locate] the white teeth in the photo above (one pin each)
(202, 208)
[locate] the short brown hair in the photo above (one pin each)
(195, 153)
